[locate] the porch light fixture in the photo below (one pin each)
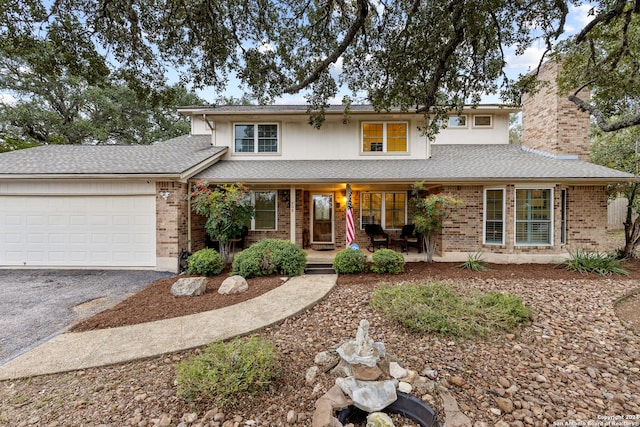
(164, 194)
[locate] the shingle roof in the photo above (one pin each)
(302, 109)
(448, 163)
(173, 156)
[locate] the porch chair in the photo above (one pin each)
(412, 238)
(377, 236)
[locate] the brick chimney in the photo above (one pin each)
(552, 123)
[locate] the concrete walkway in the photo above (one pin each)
(73, 351)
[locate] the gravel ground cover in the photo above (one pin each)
(576, 362)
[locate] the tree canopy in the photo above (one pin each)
(414, 55)
(621, 150)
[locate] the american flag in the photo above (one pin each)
(351, 229)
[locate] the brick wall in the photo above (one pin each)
(586, 216)
(462, 232)
(171, 219)
(552, 123)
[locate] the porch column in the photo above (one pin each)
(292, 214)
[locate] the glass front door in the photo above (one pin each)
(322, 218)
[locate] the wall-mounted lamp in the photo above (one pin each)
(164, 194)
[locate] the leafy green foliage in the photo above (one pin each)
(227, 208)
(604, 57)
(350, 261)
(270, 256)
(387, 261)
(475, 262)
(225, 374)
(9, 143)
(619, 150)
(442, 309)
(421, 56)
(205, 262)
(65, 94)
(429, 214)
(590, 261)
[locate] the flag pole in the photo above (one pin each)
(351, 230)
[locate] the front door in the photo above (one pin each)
(322, 218)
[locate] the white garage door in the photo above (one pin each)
(78, 230)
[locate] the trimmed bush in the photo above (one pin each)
(588, 261)
(225, 374)
(443, 309)
(350, 261)
(387, 261)
(205, 262)
(270, 256)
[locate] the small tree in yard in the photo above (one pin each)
(227, 208)
(429, 214)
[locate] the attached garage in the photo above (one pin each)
(78, 224)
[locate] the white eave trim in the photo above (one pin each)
(184, 176)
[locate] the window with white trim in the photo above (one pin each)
(563, 216)
(457, 121)
(389, 209)
(482, 121)
(494, 216)
(255, 138)
(534, 213)
(266, 210)
(385, 137)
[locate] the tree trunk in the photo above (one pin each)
(225, 251)
(631, 228)
(429, 246)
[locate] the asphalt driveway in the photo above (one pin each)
(36, 305)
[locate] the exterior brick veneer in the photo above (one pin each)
(586, 221)
(552, 123)
(171, 219)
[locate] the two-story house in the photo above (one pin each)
(127, 206)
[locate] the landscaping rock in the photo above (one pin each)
(189, 287)
(233, 285)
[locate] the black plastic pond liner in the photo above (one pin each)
(406, 405)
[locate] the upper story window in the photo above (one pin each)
(255, 138)
(482, 121)
(385, 137)
(457, 121)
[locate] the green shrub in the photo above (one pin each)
(225, 374)
(387, 261)
(441, 309)
(350, 261)
(588, 261)
(205, 262)
(270, 256)
(475, 262)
